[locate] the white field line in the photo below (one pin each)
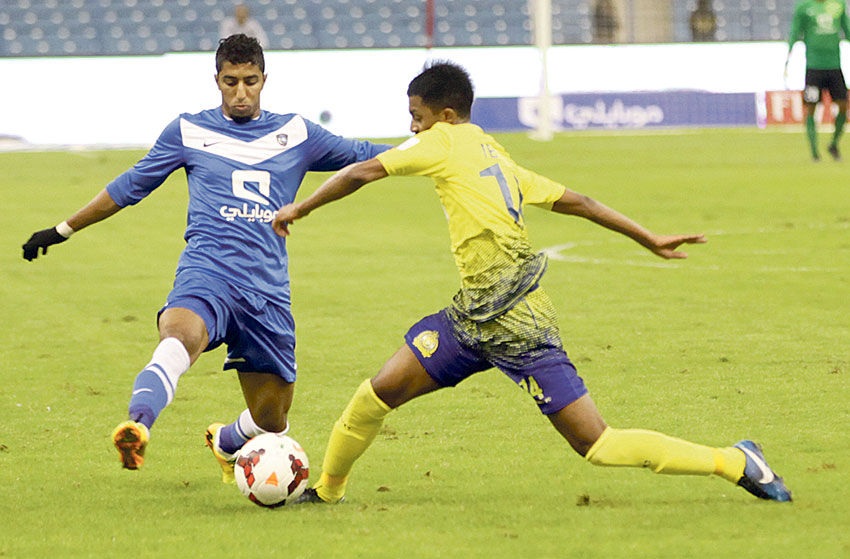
(560, 253)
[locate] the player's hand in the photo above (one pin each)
(284, 216)
(665, 245)
(41, 240)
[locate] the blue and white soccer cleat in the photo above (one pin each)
(758, 478)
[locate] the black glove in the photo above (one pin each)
(42, 240)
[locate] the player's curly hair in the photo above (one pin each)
(444, 84)
(239, 49)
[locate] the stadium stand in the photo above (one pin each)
(740, 20)
(139, 27)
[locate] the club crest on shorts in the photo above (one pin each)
(427, 342)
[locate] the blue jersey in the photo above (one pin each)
(239, 174)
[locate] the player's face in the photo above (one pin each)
(240, 86)
(421, 116)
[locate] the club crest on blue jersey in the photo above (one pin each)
(427, 342)
(282, 139)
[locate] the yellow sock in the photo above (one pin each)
(665, 455)
(352, 434)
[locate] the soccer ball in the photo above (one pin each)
(272, 470)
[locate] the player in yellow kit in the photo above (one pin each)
(501, 317)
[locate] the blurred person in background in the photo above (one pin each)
(242, 22)
(817, 23)
(703, 22)
(606, 22)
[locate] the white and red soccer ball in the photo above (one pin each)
(272, 470)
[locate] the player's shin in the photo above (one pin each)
(840, 119)
(812, 135)
(664, 455)
(352, 434)
(155, 385)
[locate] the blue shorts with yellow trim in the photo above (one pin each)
(259, 335)
(524, 343)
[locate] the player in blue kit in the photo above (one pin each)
(232, 281)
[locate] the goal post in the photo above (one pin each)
(540, 16)
(541, 24)
(429, 24)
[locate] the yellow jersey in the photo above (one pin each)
(483, 192)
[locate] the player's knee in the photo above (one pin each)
(391, 386)
(395, 391)
(186, 327)
(392, 394)
(402, 379)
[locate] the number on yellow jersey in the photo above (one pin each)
(514, 210)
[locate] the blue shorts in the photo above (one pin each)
(546, 372)
(259, 335)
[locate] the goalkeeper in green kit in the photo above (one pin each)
(817, 23)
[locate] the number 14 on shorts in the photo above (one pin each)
(530, 385)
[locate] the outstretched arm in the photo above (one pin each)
(573, 203)
(341, 184)
(101, 207)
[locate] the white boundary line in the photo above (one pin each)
(556, 253)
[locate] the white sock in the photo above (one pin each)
(171, 359)
(232, 437)
(154, 387)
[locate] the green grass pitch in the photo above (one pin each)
(748, 338)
